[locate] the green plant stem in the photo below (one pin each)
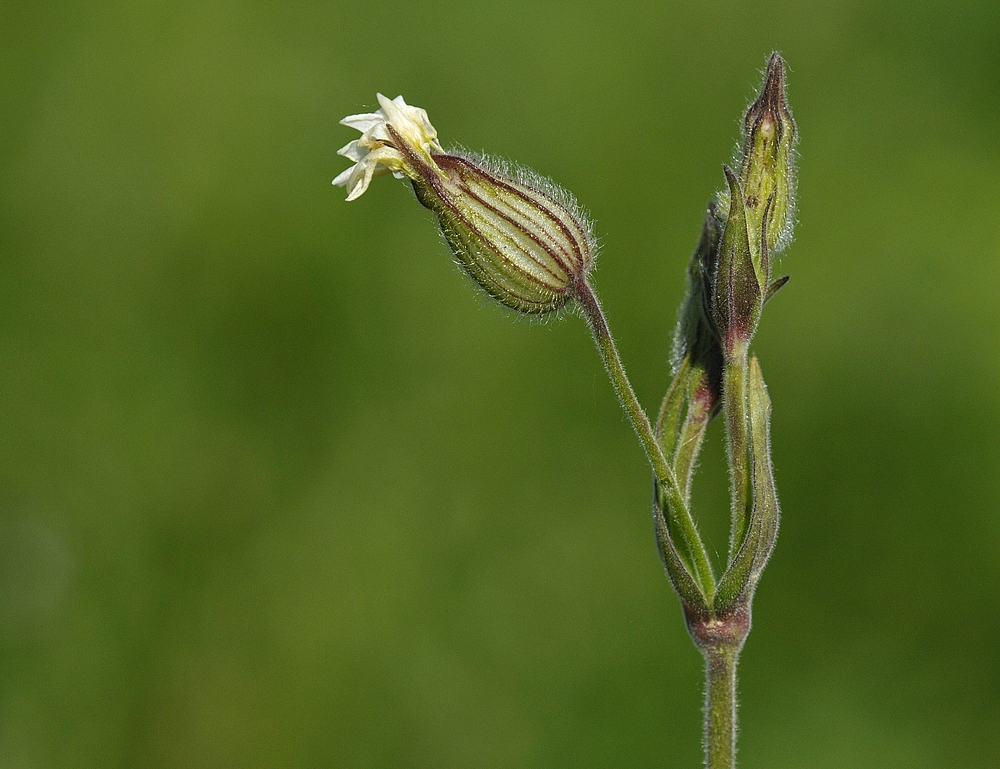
(734, 398)
(640, 421)
(720, 707)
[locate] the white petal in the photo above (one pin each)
(353, 151)
(360, 179)
(394, 113)
(342, 177)
(384, 100)
(377, 133)
(363, 122)
(373, 164)
(389, 157)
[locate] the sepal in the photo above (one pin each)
(685, 585)
(738, 583)
(736, 290)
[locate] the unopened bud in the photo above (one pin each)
(767, 161)
(694, 331)
(519, 236)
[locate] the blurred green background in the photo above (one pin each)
(278, 488)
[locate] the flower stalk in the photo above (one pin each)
(666, 480)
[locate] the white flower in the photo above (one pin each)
(375, 152)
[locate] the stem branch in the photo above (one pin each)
(640, 421)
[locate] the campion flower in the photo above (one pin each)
(519, 236)
(374, 153)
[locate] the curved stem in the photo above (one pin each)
(640, 421)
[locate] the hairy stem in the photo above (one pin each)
(720, 707)
(640, 421)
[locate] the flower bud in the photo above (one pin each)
(767, 160)
(520, 237)
(758, 213)
(695, 336)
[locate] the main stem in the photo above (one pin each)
(640, 421)
(720, 707)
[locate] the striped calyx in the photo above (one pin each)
(521, 238)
